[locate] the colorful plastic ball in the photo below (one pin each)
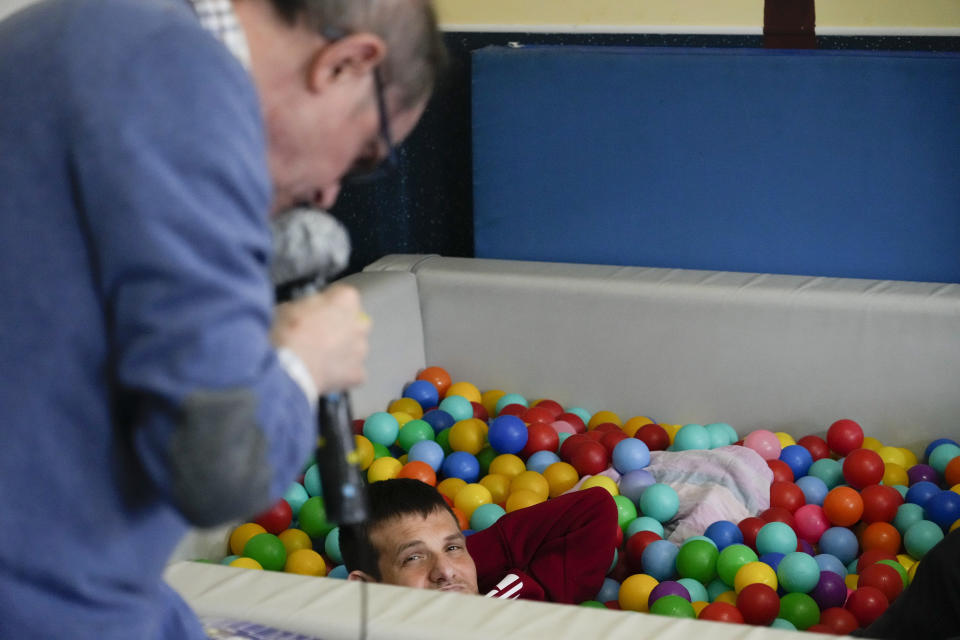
(719, 436)
(311, 481)
(385, 468)
(560, 477)
(831, 563)
(426, 451)
(952, 472)
(645, 523)
(626, 511)
(654, 436)
(942, 455)
(920, 492)
(862, 468)
(750, 528)
(691, 437)
(828, 470)
(673, 606)
(589, 458)
(331, 546)
(838, 621)
(721, 612)
(381, 427)
(936, 443)
(731, 559)
(776, 537)
(635, 545)
(245, 563)
(778, 514)
(424, 392)
(521, 499)
(294, 539)
(660, 502)
(306, 562)
(798, 572)
(698, 592)
(668, 588)
(278, 517)
(883, 577)
(507, 434)
(438, 377)
(814, 489)
(724, 533)
(921, 537)
(540, 460)
(468, 435)
(811, 522)
(449, 488)
(438, 419)
(470, 497)
(268, 550)
(540, 438)
(843, 436)
(816, 445)
(414, 432)
(461, 464)
(630, 455)
(799, 609)
(533, 482)
(759, 604)
(797, 458)
(880, 535)
(898, 567)
(943, 508)
(843, 506)
(338, 572)
(894, 474)
(313, 518)
(880, 503)
(697, 559)
(786, 625)
(921, 473)
(781, 471)
(635, 592)
(659, 559)
(458, 407)
(419, 470)
(907, 514)
(764, 442)
(634, 483)
(242, 534)
(867, 604)
(752, 573)
(508, 465)
(786, 495)
(295, 495)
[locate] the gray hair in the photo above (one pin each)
(416, 55)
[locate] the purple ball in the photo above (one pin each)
(668, 588)
(634, 483)
(831, 590)
(921, 473)
(806, 547)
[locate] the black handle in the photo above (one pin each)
(344, 495)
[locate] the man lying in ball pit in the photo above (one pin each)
(559, 550)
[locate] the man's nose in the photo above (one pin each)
(442, 570)
(328, 196)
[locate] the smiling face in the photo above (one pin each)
(424, 552)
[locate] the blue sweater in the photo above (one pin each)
(139, 392)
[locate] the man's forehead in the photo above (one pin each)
(392, 533)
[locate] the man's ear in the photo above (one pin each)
(351, 56)
(360, 576)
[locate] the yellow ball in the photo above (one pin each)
(468, 435)
(671, 430)
(408, 406)
(603, 416)
(892, 455)
(698, 606)
(601, 481)
(852, 579)
(466, 390)
(294, 539)
(871, 443)
(752, 573)
(242, 534)
(472, 496)
(403, 459)
(906, 561)
(364, 452)
(893, 474)
(631, 426)
(912, 571)
(635, 591)
(402, 418)
(531, 481)
(730, 597)
(954, 526)
(955, 488)
(451, 486)
(306, 562)
(385, 468)
(910, 456)
(246, 563)
(489, 400)
(498, 485)
(522, 499)
(561, 476)
(507, 464)
(785, 439)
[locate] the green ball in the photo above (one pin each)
(697, 559)
(921, 537)
(593, 603)
(413, 432)
(904, 576)
(626, 511)
(443, 439)
(485, 457)
(673, 606)
(380, 451)
(313, 518)
(800, 610)
(268, 550)
(731, 559)
(331, 546)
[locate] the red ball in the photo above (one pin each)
(816, 445)
(880, 535)
(786, 495)
(611, 438)
(867, 604)
(750, 527)
(883, 577)
(781, 471)
(512, 410)
(838, 621)
(480, 411)
(862, 468)
(590, 458)
(595, 435)
(870, 556)
(573, 420)
(607, 426)
(635, 546)
(540, 437)
(721, 612)
(844, 436)
(552, 406)
(571, 443)
(277, 518)
(759, 604)
(654, 436)
(357, 426)
(778, 514)
(880, 503)
(537, 414)
(818, 628)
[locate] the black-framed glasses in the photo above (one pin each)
(368, 170)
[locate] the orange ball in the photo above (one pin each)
(438, 377)
(843, 506)
(952, 472)
(462, 521)
(881, 535)
(419, 470)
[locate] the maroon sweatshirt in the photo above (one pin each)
(558, 550)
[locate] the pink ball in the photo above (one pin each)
(811, 522)
(561, 426)
(763, 442)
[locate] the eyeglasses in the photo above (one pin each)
(370, 169)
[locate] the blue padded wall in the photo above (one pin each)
(802, 162)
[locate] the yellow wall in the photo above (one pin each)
(720, 16)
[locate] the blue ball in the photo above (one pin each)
(828, 470)
(841, 543)
(339, 572)
(644, 523)
(634, 483)
(659, 560)
(630, 454)
(458, 407)
(936, 443)
(507, 434)
(609, 591)
(724, 533)
(690, 437)
(463, 465)
(541, 460)
(660, 502)
(798, 572)
(776, 537)
(295, 495)
(907, 514)
(772, 559)
(438, 419)
(814, 489)
(921, 492)
(943, 508)
(427, 451)
(832, 563)
(797, 458)
(423, 392)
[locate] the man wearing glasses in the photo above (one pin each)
(144, 383)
